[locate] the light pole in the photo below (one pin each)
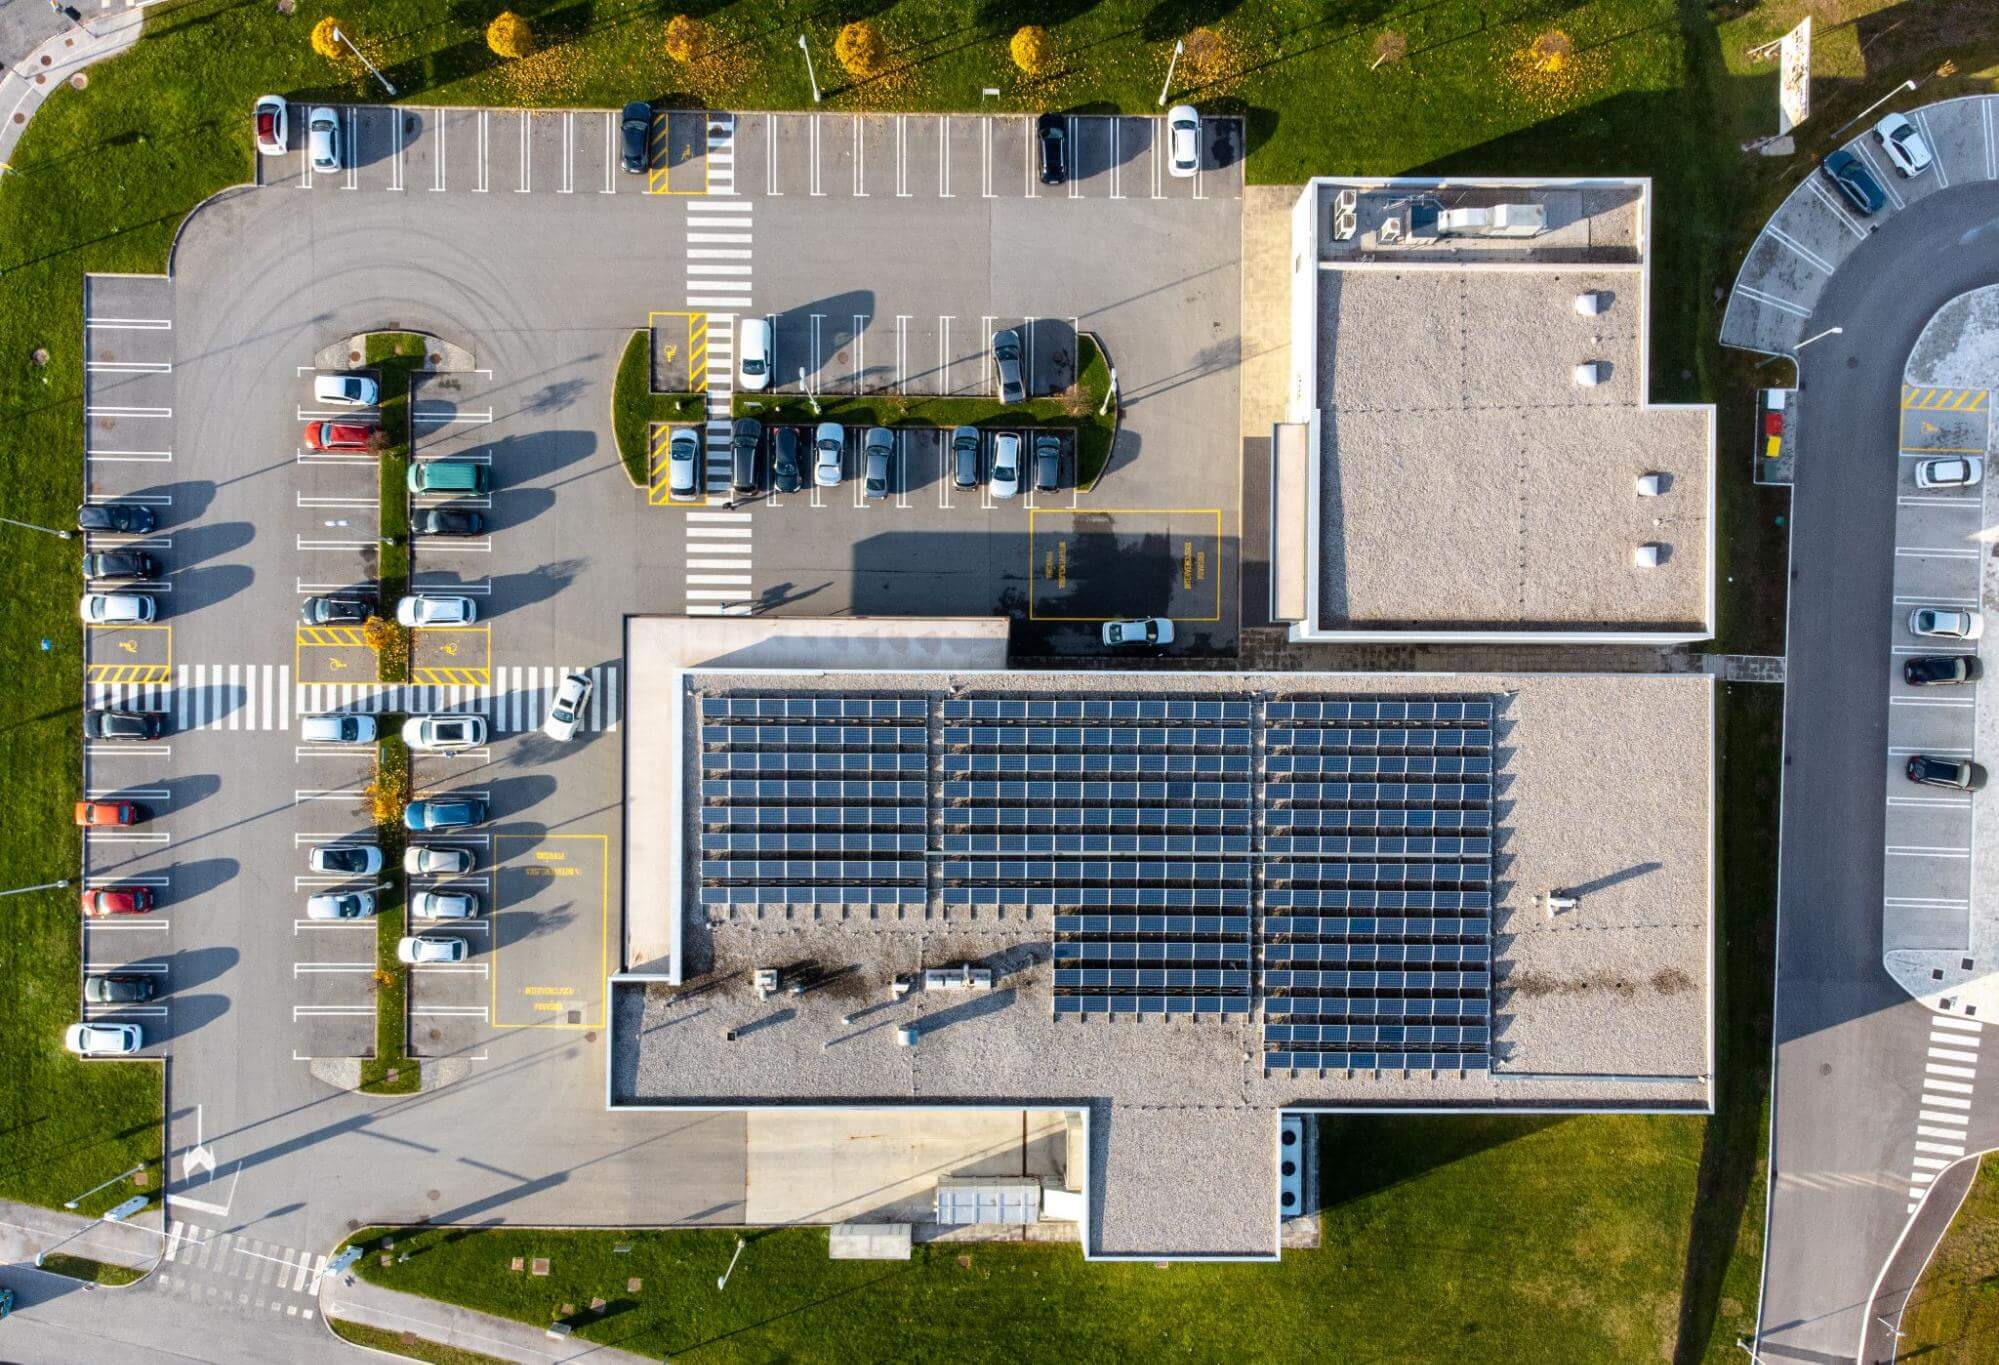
(365, 62)
(810, 397)
(1828, 332)
(809, 74)
(1178, 46)
(1110, 394)
(49, 886)
(1905, 85)
(72, 1203)
(55, 531)
(722, 1280)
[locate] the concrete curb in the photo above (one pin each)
(51, 65)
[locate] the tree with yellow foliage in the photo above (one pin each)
(686, 38)
(509, 36)
(1032, 49)
(323, 41)
(860, 49)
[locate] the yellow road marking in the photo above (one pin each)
(1923, 398)
(1190, 555)
(546, 999)
(127, 673)
(451, 677)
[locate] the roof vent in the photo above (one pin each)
(1589, 374)
(1650, 555)
(1591, 302)
(1651, 485)
(1390, 231)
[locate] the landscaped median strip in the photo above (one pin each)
(391, 1071)
(636, 411)
(393, 356)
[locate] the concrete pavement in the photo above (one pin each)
(50, 50)
(355, 1300)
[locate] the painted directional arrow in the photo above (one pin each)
(197, 1159)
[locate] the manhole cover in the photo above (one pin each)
(591, 1036)
(436, 1034)
(353, 357)
(432, 1195)
(434, 359)
(79, 80)
(48, 60)
(841, 357)
(106, 423)
(353, 1224)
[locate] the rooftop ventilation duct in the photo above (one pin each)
(1589, 374)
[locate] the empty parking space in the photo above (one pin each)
(452, 656)
(1941, 421)
(551, 929)
(1099, 565)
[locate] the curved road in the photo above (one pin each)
(1849, 1043)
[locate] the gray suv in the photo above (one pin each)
(965, 457)
(878, 449)
(743, 447)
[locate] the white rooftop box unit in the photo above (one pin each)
(1649, 555)
(1590, 302)
(1501, 220)
(1588, 375)
(992, 1199)
(1651, 485)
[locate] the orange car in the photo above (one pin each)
(92, 813)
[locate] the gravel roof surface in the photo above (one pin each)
(1466, 480)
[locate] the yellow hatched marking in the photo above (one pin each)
(657, 472)
(1920, 398)
(332, 637)
(452, 677)
(127, 673)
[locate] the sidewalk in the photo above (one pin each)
(26, 1229)
(29, 81)
(351, 1299)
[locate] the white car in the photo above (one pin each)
(1149, 630)
(1946, 623)
(115, 608)
(340, 905)
(437, 611)
(337, 729)
(437, 860)
(270, 118)
(757, 351)
(426, 948)
(103, 1040)
(322, 139)
(345, 390)
(1183, 140)
(1004, 477)
(444, 732)
(444, 905)
(829, 445)
(565, 709)
(683, 463)
(1903, 144)
(345, 860)
(1955, 471)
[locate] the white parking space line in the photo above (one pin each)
(353, 180)
(128, 324)
(485, 145)
(1885, 179)
(1921, 120)
(1798, 249)
(1834, 207)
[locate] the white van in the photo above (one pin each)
(757, 358)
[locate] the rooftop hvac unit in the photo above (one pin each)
(963, 977)
(1501, 220)
(988, 1199)
(765, 982)
(1345, 225)
(1591, 302)
(1390, 231)
(1589, 374)
(1651, 485)
(1650, 555)
(1291, 1166)
(1346, 200)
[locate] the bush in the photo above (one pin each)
(686, 38)
(860, 49)
(391, 642)
(323, 41)
(509, 35)
(1033, 50)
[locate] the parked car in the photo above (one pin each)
(756, 350)
(116, 608)
(1940, 670)
(1149, 630)
(336, 611)
(1047, 463)
(98, 1039)
(785, 475)
(125, 518)
(270, 118)
(1183, 141)
(339, 435)
(1006, 359)
(96, 814)
(437, 611)
(1961, 774)
(340, 905)
(136, 565)
(1955, 471)
(448, 478)
(877, 449)
(427, 948)
(444, 732)
(683, 462)
(744, 444)
(123, 725)
(565, 709)
(118, 989)
(99, 901)
(1858, 187)
(444, 905)
(965, 457)
(448, 521)
(322, 139)
(437, 860)
(337, 729)
(345, 390)
(830, 445)
(1903, 144)
(443, 812)
(1051, 132)
(345, 860)
(1004, 479)
(1946, 623)
(635, 131)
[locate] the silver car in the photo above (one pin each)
(425, 948)
(879, 449)
(437, 611)
(115, 608)
(829, 444)
(565, 710)
(1004, 480)
(340, 905)
(1903, 144)
(1946, 623)
(435, 860)
(1183, 141)
(345, 390)
(103, 1040)
(444, 732)
(444, 905)
(1006, 358)
(322, 139)
(683, 462)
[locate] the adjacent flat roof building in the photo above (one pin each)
(1472, 453)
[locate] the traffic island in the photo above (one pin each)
(637, 408)
(391, 1071)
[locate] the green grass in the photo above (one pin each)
(407, 1344)
(392, 766)
(89, 1271)
(635, 407)
(1953, 1316)
(394, 356)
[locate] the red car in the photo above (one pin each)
(91, 813)
(339, 435)
(100, 901)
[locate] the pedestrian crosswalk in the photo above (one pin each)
(718, 564)
(235, 1270)
(263, 697)
(721, 153)
(1950, 1074)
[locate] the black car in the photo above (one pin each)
(1940, 670)
(1959, 774)
(636, 127)
(1051, 131)
(1845, 170)
(120, 564)
(123, 725)
(115, 516)
(448, 521)
(784, 472)
(336, 611)
(744, 444)
(1047, 464)
(117, 990)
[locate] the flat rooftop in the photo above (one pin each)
(1386, 840)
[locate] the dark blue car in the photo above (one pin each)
(444, 812)
(1845, 170)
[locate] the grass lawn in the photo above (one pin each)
(393, 356)
(635, 407)
(89, 1271)
(1953, 1317)
(392, 978)
(404, 1344)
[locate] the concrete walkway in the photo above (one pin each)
(31, 79)
(26, 1229)
(354, 1300)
